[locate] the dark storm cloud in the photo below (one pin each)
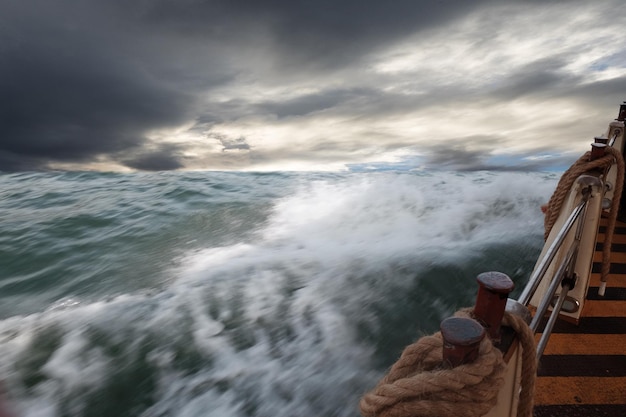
(311, 103)
(72, 92)
(545, 76)
(58, 109)
(324, 32)
(229, 144)
(164, 159)
(456, 156)
(104, 80)
(464, 160)
(461, 154)
(599, 93)
(362, 101)
(81, 80)
(11, 162)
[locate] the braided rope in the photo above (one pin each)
(610, 229)
(526, 339)
(581, 166)
(419, 385)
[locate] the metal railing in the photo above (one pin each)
(564, 276)
(540, 271)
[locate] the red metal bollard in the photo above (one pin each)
(597, 151)
(493, 291)
(622, 112)
(601, 139)
(461, 340)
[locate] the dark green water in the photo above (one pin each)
(240, 294)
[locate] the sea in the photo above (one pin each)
(233, 294)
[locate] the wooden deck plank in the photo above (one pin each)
(611, 293)
(582, 365)
(614, 280)
(590, 325)
(616, 269)
(580, 390)
(621, 239)
(620, 226)
(585, 344)
(604, 308)
(616, 257)
(615, 247)
(580, 410)
(583, 370)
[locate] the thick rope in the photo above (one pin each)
(581, 166)
(526, 339)
(419, 385)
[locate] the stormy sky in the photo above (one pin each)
(297, 85)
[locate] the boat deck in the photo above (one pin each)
(583, 370)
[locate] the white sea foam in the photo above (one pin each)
(268, 326)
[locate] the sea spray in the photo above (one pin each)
(240, 294)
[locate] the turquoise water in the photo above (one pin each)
(240, 294)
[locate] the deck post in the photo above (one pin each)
(597, 151)
(461, 340)
(493, 291)
(622, 112)
(601, 139)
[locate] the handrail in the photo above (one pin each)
(541, 345)
(565, 268)
(554, 285)
(564, 276)
(538, 274)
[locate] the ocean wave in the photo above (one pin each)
(280, 295)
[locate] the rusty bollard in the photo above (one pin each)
(597, 151)
(493, 291)
(601, 139)
(622, 112)
(461, 340)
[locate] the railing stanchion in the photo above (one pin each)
(533, 281)
(541, 345)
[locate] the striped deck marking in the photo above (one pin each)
(610, 294)
(618, 240)
(619, 243)
(580, 410)
(616, 269)
(614, 280)
(584, 365)
(591, 325)
(585, 344)
(581, 390)
(604, 308)
(583, 370)
(619, 258)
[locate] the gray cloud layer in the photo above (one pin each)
(169, 84)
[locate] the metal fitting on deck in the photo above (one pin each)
(622, 112)
(601, 139)
(597, 151)
(461, 340)
(493, 291)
